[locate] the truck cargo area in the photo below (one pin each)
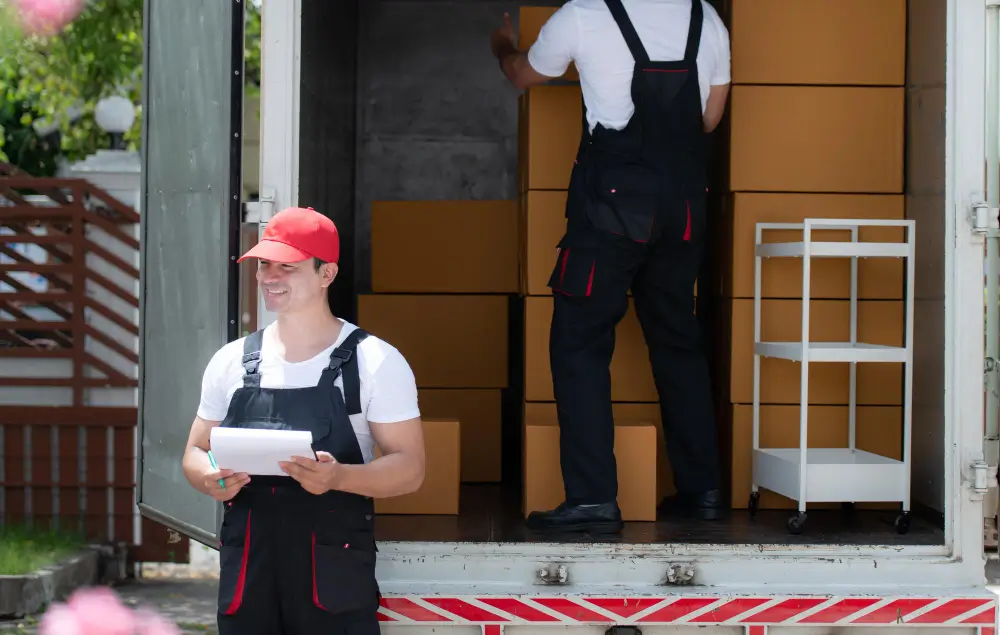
(449, 189)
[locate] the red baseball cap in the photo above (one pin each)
(296, 234)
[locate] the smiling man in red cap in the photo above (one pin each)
(298, 551)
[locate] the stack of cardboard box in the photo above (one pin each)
(443, 275)
(550, 124)
(816, 130)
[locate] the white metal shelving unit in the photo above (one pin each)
(846, 475)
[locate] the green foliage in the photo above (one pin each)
(60, 79)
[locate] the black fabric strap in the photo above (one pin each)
(344, 360)
(251, 358)
(628, 31)
(694, 31)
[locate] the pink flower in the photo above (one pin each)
(151, 623)
(99, 612)
(47, 17)
(60, 619)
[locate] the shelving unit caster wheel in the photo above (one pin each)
(797, 523)
(754, 504)
(903, 523)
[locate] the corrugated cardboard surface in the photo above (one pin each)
(843, 42)
(553, 122)
(450, 341)
(817, 139)
(439, 492)
(879, 322)
(544, 225)
(478, 412)
(879, 429)
(444, 246)
(624, 413)
(529, 24)
(636, 448)
(878, 278)
(631, 372)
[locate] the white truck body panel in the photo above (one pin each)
(487, 586)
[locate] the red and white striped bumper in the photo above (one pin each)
(753, 612)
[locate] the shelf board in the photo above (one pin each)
(832, 352)
(833, 474)
(834, 250)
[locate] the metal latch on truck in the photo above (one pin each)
(985, 218)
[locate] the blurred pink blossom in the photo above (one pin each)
(99, 611)
(47, 17)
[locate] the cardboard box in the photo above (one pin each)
(450, 341)
(478, 413)
(439, 493)
(878, 278)
(544, 225)
(839, 42)
(879, 429)
(624, 413)
(631, 372)
(879, 322)
(635, 453)
(529, 25)
(817, 139)
(444, 247)
(553, 123)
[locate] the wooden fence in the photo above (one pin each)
(69, 285)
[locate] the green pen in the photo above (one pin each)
(215, 466)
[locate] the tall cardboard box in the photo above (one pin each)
(878, 278)
(553, 121)
(450, 341)
(439, 493)
(817, 139)
(835, 42)
(544, 225)
(444, 247)
(635, 453)
(879, 322)
(879, 429)
(631, 371)
(479, 414)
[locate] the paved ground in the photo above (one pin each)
(185, 594)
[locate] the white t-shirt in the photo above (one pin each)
(388, 388)
(585, 33)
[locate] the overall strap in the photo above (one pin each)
(628, 31)
(251, 358)
(344, 361)
(694, 32)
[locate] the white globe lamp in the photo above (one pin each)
(115, 115)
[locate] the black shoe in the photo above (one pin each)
(605, 518)
(708, 505)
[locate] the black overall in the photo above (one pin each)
(636, 218)
(294, 563)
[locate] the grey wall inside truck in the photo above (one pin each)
(925, 203)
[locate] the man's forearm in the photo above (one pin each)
(390, 475)
(195, 464)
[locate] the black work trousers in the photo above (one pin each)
(590, 284)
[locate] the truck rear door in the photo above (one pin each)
(191, 212)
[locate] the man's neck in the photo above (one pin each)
(304, 334)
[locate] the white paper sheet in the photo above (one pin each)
(257, 452)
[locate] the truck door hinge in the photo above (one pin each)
(984, 218)
(984, 477)
(261, 210)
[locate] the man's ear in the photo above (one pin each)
(329, 273)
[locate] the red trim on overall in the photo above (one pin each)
(590, 279)
(687, 228)
(664, 70)
(315, 588)
(562, 267)
(242, 580)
